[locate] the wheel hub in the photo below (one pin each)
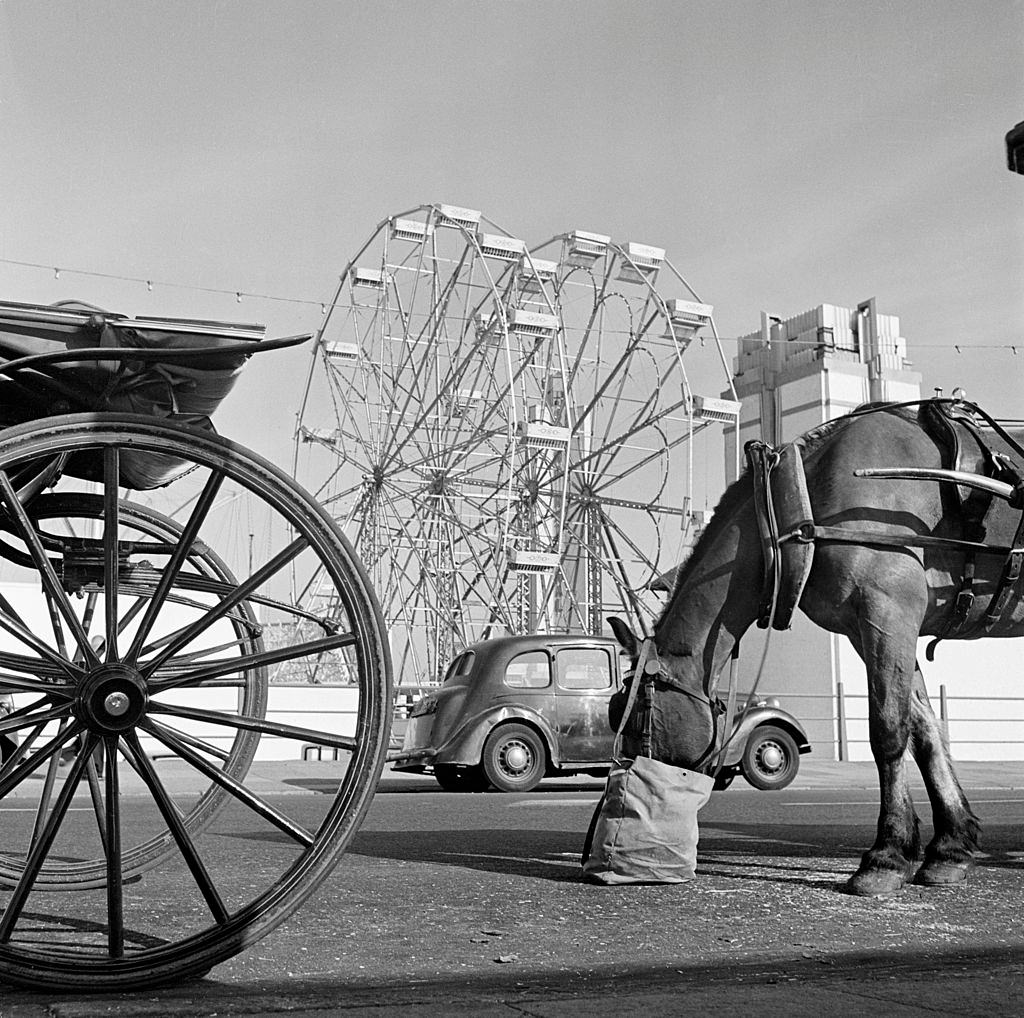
(112, 699)
(771, 758)
(517, 758)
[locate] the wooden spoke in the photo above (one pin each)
(44, 650)
(244, 662)
(239, 594)
(207, 748)
(22, 750)
(178, 830)
(255, 725)
(181, 552)
(112, 847)
(51, 582)
(11, 781)
(41, 845)
(92, 777)
(111, 548)
(259, 806)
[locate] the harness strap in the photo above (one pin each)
(818, 532)
(761, 459)
(782, 509)
(730, 710)
(646, 649)
(964, 598)
(1008, 579)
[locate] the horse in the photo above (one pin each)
(889, 562)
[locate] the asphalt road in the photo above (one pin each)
(472, 904)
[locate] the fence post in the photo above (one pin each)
(944, 712)
(841, 721)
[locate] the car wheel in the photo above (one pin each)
(770, 758)
(460, 779)
(514, 758)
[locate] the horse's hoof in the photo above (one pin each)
(942, 874)
(875, 883)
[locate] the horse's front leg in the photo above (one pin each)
(889, 658)
(950, 854)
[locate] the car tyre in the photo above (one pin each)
(514, 758)
(460, 779)
(771, 758)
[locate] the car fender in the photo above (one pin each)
(466, 744)
(755, 717)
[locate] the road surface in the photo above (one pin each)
(466, 904)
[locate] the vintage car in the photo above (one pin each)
(515, 709)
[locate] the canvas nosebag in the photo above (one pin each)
(644, 830)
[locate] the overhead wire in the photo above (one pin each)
(240, 294)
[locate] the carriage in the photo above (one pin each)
(178, 619)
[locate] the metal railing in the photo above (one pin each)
(966, 720)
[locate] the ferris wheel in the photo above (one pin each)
(505, 432)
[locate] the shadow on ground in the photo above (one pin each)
(959, 982)
(420, 785)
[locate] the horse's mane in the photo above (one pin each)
(737, 492)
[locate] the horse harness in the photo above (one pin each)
(649, 669)
(788, 532)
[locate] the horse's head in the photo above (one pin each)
(683, 722)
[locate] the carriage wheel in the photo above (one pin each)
(64, 524)
(142, 673)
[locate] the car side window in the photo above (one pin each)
(531, 670)
(584, 668)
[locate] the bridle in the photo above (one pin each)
(649, 667)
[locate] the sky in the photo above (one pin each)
(785, 154)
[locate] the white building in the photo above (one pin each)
(797, 373)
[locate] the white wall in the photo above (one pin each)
(984, 685)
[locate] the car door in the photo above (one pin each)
(584, 681)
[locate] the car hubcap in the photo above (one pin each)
(772, 758)
(516, 758)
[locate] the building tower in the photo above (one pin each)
(794, 374)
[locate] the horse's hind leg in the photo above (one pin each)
(950, 854)
(889, 658)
